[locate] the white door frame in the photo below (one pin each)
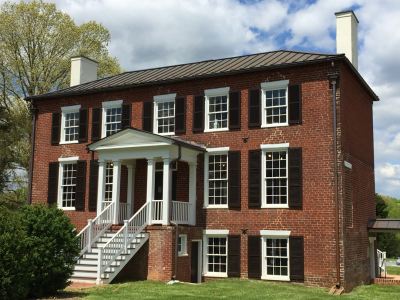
(199, 258)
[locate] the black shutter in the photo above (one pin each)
(296, 245)
(125, 115)
(198, 113)
(148, 116)
(83, 124)
(254, 256)
(295, 177)
(52, 189)
(96, 124)
(234, 110)
(234, 182)
(234, 255)
(255, 107)
(55, 128)
(254, 182)
(294, 103)
(180, 115)
(80, 189)
(93, 184)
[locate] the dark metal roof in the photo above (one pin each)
(175, 140)
(384, 225)
(208, 68)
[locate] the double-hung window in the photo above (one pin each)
(275, 255)
(164, 114)
(70, 124)
(215, 253)
(274, 166)
(112, 111)
(216, 178)
(274, 103)
(216, 109)
(67, 183)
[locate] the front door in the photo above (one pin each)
(194, 277)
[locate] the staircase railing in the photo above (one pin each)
(118, 244)
(95, 228)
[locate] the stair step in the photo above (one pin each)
(90, 274)
(96, 256)
(81, 267)
(83, 279)
(94, 261)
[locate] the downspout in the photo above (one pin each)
(34, 112)
(333, 80)
(171, 164)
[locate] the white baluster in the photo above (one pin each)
(89, 240)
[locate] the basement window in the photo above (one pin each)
(182, 245)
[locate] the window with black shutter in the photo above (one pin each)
(295, 177)
(254, 256)
(255, 107)
(93, 184)
(125, 115)
(234, 179)
(296, 245)
(234, 255)
(198, 113)
(55, 128)
(254, 180)
(83, 124)
(148, 116)
(234, 109)
(96, 123)
(52, 189)
(294, 91)
(180, 115)
(80, 189)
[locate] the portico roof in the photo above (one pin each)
(384, 225)
(133, 138)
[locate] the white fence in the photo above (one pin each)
(181, 212)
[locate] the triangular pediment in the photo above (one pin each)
(130, 138)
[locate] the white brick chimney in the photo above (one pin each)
(83, 70)
(346, 35)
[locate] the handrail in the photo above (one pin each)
(119, 242)
(96, 228)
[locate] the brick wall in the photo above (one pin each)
(315, 220)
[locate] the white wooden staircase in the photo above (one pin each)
(104, 256)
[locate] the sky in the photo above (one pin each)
(157, 33)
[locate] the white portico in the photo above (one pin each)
(125, 148)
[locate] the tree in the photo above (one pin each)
(37, 42)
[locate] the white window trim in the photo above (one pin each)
(107, 105)
(265, 86)
(213, 151)
(212, 93)
(183, 251)
(274, 234)
(62, 161)
(273, 147)
(159, 99)
(207, 233)
(67, 110)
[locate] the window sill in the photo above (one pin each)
(277, 278)
(274, 125)
(220, 275)
(216, 130)
(66, 143)
(183, 254)
(68, 208)
(216, 207)
(275, 206)
(165, 133)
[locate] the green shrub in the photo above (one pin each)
(14, 266)
(53, 248)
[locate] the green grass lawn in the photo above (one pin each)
(391, 259)
(226, 289)
(393, 270)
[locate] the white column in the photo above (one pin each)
(115, 189)
(100, 187)
(131, 187)
(166, 179)
(192, 192)
(372, 255)
(150, 187)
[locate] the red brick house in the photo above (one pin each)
(228, 162)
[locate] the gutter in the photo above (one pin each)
(34, 113)
(333, 80)
(171, 164)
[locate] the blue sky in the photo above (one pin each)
(164, 32)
